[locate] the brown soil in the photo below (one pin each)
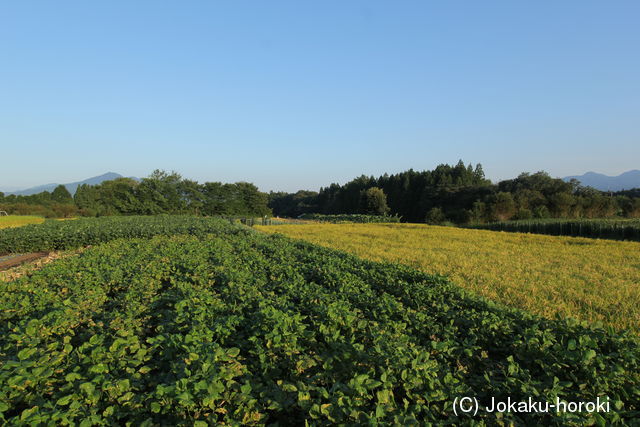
(36, 263)
(21, 259)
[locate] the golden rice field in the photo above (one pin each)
(19, 220)
(589, 279)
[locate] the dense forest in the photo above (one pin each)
(160, 193)
(459, 194)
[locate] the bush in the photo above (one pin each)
(597, 228)
(523, 214)
(435, 216)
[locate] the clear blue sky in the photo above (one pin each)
(300, 94)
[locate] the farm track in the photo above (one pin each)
(32, 266)
(10, 261)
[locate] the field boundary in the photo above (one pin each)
(15, 261)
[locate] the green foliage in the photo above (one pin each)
(60, 194)
(48, 210)
(464, 196)
(159, 193)
(630, 206)
(58, 204)
(119, 196)
(435, 216)
(357, 218)
(523, 213)
(411, 194)
(293, 205)
(598, 228)
(240, 328)
(476, 214)
(373, 201)
(86, 199)
(503, 206)
(59, 235)
(541, 212)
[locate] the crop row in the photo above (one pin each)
(60, 235)
(590, 279)
(346, 218)
(599, 228)
(243, 328)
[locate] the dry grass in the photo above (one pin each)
(19, 220)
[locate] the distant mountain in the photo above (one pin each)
(71, 187)
(624, 181)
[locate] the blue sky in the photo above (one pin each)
(295, 94)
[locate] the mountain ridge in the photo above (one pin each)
(71, 187)
(625, 181)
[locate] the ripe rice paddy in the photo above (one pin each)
(19, 220)
(589, 279)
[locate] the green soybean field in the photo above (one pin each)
(193, 321)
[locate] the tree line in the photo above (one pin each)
(459, 194)
(160, 193)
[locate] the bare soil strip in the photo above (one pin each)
(27, 268)
(6, 263)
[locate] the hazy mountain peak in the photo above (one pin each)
(625, 181)
(71, 187)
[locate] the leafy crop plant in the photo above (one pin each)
(235, 327)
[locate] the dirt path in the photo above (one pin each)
(28, 266)
(10, 261)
